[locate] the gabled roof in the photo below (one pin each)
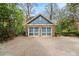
(37, 17)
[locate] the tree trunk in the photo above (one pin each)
(51, 9)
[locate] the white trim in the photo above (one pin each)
(51, 31)
(40, 32)
(46, 32)
(35, 32)
(37, 16)
(40, 24)
(28, 31)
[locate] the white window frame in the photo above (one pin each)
(46, 31)
(33, 32)
(39, 32)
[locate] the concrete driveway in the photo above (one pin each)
(41, 46)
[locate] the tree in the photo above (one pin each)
(7, 10)
(8, 17)
(18, 24)
(52, 10)
(28, 9)
(72, 8)
(67, 26)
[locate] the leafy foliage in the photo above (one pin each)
(66, 27)
(10, 15)
(18, 25)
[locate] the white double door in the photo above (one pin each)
(43, 31)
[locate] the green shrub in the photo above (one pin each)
(77, 34)
(6, 34)
(65, 33)
(66, 27)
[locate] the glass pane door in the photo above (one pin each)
(36, 31)
(43, 31)
(46, 31)
(33, 31)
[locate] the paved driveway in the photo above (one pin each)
(41, 46)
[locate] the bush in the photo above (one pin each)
(77, 34)
(70, 33)
(6, 34)
(65, 33)
(11, 20)
(66, 27)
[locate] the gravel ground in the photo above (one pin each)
(41, 46)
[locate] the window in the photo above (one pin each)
(36, 29)
(30, 33)
(48, 31)
(44, 31)
(33, 31)
(30, 30)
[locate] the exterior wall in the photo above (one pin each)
(26, 30)
(53, 29)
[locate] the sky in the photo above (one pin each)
(41, 7)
